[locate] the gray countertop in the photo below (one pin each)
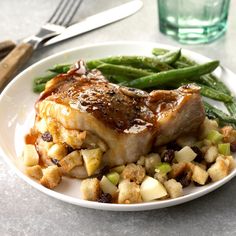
(26, 211)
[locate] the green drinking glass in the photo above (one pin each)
(193, 21)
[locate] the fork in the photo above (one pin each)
(56, 24)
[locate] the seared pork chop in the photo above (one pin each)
(129, 121)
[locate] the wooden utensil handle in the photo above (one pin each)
(14, 61)
(5, 47)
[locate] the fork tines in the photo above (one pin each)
(64, 12)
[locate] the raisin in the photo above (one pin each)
(102, 172)
(184, 179)
(199, 153)
(169, 156)
(56, 162)
(173, 145)
(47, 137)
(233, 146)
(105, 198)
(69, 149)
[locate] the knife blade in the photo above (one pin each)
(98, 20)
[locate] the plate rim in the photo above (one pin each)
(105, 206)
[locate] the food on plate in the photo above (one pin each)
(93, 122)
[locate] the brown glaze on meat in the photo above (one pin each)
(105, 101)
(129, 121)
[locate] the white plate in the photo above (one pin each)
(17, 116)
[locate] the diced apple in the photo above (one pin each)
(151, 189)
(30, 155)
(92, 159)
(107, 186)
(151, 161)
(186, 154)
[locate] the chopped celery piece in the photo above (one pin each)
(224, 149)
(114, 177)
(214, 136)
(118, 169)
(163, 168)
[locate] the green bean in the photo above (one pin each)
(38, 88)
(214, 94)
(138, 62)
(231, 107)
(209, 79)
(118, 70)
(159, 51)
(167, 77)
(60, 68)
(116, 79)
(44, 79)
(223, 117)
(170, 57)
(93, 64)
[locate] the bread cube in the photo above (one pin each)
(229, 134)
(41, 126)
(34, 171)
(43, 147)
(232, 163)
(71, 160)
(30, 155)
(57, 151)
(199, 175)
(211, 154)
(135, 173)
(218, 170)
(90, 189)
(51, 177)
(177, 169)
(129, 192)
(173, 188)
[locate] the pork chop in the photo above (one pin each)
(128, 120)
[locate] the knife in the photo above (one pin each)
(19, 55)
(98, 20)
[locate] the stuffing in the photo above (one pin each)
(90, 189)
(34, 171)
(218, 170)
(151, 161)
(71, 160)
(211, 154)
(30, 155)
(173, 188)
(57, 151)
(199, 175)
(229, 134)
(51, 177)
(135, 173)
(129, 192)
